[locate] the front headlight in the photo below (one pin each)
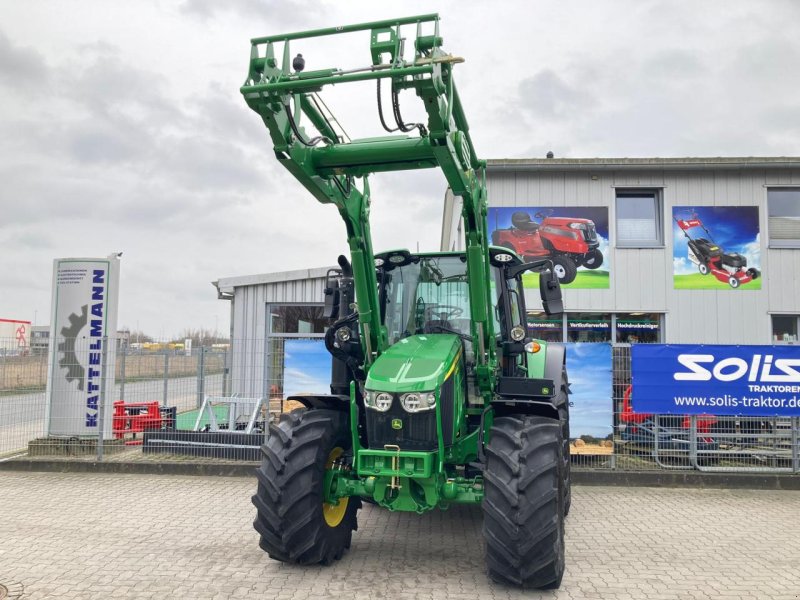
(577, 225)
(380, 401)
(415, 402)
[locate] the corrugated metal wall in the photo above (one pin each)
(248, 364)
(641, 279)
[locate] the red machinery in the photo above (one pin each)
(569, 242)
(630, 418)
(710, 258)
(135, 417)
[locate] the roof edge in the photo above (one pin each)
(678, 163)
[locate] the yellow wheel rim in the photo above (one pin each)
(334, 513)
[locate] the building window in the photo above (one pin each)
(296, 319)
(785, 328)
(588, 327)
(783, 205)
(638, 328)
(639, 219)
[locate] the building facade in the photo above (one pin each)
(647, 210)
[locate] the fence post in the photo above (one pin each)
(101, 400)
(795, 441)
(166, 376)
(225, 373)
(122, 373)
(201, 376)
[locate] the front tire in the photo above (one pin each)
(593, 259)
(295, 524)
(523, 503)
(565, 269)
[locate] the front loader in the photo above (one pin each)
(438, 394)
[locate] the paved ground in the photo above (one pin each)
(137, 536)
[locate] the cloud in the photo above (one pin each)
(548, 95)
(21, 67)
(752, 252)
(681, 265)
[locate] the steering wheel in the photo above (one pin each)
(437, 310)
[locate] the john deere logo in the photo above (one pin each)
(397, 424)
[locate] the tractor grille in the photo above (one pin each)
(590, 233)
(418, 431)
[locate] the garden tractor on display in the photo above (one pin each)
(438, 395)
(569, 242)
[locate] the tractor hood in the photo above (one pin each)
(414, 364)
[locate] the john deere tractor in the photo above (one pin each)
(438, 395)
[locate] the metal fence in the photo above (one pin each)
(216, 403)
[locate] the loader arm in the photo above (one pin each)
(328, 165)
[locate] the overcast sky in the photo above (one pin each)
(122, 127)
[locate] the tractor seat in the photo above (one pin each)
(522, 221)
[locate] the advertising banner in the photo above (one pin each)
(574, 238)
(716, 248)
(591, 416)
(758, 381)
(306, 367)
(82, 346)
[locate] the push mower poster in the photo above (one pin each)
(574, 238)
(591, 418)
(716, 248)
(755, 381)
(306, 367)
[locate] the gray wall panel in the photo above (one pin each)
(641, 279)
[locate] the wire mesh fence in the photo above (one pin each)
(215, 403)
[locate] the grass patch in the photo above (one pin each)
(585, 280)
(696, 281)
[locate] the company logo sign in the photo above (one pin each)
(83, 357)
(720, 380)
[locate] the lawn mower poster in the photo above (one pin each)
(716, 248)
(754, 381)
(574, 238)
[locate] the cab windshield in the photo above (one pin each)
(430, 295)
(427, 295)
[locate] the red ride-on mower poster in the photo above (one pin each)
(574, 238)
(716, 248)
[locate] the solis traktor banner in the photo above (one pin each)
(758, 381)
(83, 326)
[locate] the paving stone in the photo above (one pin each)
(87, 536)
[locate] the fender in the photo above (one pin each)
(554, 364)
(329, 401)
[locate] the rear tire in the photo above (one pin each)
(703, 268)
(523, 504)
(733, 282)
(565, 269)
(295, 525)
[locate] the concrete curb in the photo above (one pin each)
(132, 468)
(756, 481)
(753, 481)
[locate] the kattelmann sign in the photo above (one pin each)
(82, 346)
(754, 381)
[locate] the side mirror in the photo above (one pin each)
(550, 291)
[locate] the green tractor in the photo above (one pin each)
(438, 395)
